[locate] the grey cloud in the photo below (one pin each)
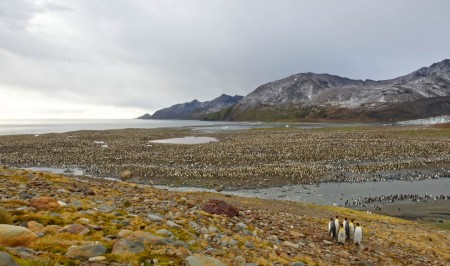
(152, 54)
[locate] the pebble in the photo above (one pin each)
(155, 218)
(97, 258)
(172, 224)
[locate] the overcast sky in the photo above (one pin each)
(120, 59)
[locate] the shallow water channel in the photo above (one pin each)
(322, 194)
(338, 193)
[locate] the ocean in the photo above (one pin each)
(15, 127)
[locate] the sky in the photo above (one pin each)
(121, 59)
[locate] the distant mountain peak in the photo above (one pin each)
(195, 109)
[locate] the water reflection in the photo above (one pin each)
(338, 193)
(186, 140)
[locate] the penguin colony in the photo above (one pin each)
(241, 159)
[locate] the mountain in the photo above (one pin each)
(323, 97)
(195, 109)
(308, 96)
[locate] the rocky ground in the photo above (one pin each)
(50, 219)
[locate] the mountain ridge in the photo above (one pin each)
(317, 97)
(194, 109)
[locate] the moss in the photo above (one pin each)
(43, 261)
(127, 204)
(44, 219)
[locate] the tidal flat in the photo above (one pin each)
(246, 159)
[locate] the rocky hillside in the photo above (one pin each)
(322, 97)
(194, 109)
(423, 93)
(50, 219)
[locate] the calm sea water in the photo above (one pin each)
(15, 127)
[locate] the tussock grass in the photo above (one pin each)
(5, 217)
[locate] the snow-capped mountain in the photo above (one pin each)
(324, 96)
(307, 96)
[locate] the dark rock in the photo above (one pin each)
(88, 192)
(6, 259)
(220, 207)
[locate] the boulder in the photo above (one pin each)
(6, 259)
(13, 236)
(44, 203)
(142, 236)
(126, 175)
(201, 260)
(220, 207)
(35, 226)
(125, 246)
(86, 251)
(124, 233)
(75, 229)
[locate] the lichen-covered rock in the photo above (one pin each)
(85, 252)
(35, 226)
(44, 203)
(13, 236)
(201, 260)
(125, 246)
(220, 207)
(142, 236)
(75, 229)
